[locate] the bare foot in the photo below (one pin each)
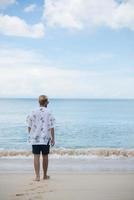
(46, 177)
(37, 178)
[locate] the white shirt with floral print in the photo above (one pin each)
(40, 121)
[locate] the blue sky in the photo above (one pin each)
(67, 49)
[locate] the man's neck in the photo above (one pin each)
(45, 106)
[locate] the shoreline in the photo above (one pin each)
(71, 164)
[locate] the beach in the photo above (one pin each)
(93, 157)
(68, 183)
(68, 186)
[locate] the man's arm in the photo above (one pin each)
(29, 122)
(52, 137)
(29, 129)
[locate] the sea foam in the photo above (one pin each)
(74, 153)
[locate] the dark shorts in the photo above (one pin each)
(36, 149)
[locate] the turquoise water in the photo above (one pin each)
(79, 123)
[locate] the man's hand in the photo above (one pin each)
(29, 129)
(52, 142)
(52, 137)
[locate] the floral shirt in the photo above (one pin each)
(40, 121)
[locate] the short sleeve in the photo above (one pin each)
(29, 121)
(51, 121)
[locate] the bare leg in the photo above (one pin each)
(37, 166)
(45, 166)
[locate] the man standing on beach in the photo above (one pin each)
(41, 134)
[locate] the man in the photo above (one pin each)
(41, 134)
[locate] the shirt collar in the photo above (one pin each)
(42, 107)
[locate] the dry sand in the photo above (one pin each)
(68, 186)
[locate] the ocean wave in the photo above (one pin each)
(63, 152)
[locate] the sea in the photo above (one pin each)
(84, 128)
(89, 133)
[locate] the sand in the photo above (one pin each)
(71, 179)
(68, 186)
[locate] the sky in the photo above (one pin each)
(67, 48)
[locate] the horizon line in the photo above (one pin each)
(70, 98)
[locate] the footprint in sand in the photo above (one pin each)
(19, 194)
(50, 190)
(35, 188)
(34, 191)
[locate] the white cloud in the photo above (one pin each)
(15, 26)
(10, 57)
(79, 14)
(5, 3)
(66, 83)
(30, 8)
(124, 16)
(26, 73)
